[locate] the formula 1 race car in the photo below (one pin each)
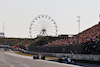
(6, 49)
(66, 59)
(39, 57)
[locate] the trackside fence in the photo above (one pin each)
(78, 49)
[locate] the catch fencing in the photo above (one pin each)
(77, 49)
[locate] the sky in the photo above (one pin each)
(17, 15)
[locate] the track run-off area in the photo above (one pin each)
(11, 59)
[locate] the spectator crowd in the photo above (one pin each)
(88, 37)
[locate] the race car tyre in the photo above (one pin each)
(43, 57)
(34, 57)
(60, 60)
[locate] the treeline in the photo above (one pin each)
(43, 40)
(26, 41)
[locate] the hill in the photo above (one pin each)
(26, 41)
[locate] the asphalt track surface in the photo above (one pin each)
(10, 59)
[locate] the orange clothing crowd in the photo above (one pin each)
(91, 34)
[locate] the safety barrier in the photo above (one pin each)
(90, 57)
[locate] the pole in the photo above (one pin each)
(3, 30)
(99, 17)
(3, 27)
(78, 23)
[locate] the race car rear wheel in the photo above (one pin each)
(43, 57)
(60, 60)
(34, 57)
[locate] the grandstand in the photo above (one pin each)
(88, 41)
(91, 34)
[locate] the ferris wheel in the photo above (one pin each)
(43, 25)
